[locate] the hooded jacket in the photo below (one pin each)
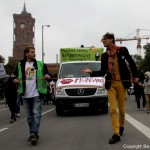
(147, 83)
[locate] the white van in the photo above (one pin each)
(77, 90)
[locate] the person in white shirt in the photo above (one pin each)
(31, 75)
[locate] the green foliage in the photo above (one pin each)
(145, 65)
(2, 59)
(138, 59)
(11, 66)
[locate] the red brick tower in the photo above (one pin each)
(23, 33)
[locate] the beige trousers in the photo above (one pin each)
(116, 99)
(147, 96)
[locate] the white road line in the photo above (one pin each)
(48, 111)
(141, 127)
(1, 130)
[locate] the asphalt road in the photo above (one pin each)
(80, 130)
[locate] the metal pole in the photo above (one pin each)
(42, 46)
(43, 41)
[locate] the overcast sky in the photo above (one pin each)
(76, 22)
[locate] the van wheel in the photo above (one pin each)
(59, 111)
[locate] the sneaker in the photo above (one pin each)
(121, 130)
(148, 111)
(11, 121)
(115, 138)
(34, 138)
(138, 109)
(18, 115)
(29, 138)
(144, 109)
(14, 119)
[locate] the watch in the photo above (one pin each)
(22, 25)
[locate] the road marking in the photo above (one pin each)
(1, 130)
(48, 111)
(141, 127)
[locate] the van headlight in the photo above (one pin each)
(101, 91)
(60, 92)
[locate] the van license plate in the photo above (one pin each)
(81, 105)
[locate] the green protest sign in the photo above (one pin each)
(80, 54)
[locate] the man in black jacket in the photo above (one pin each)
(114, 66)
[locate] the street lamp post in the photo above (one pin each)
(43, 41)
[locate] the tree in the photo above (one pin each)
(2, 59)
(138, 59)
(146, 61)
(11, 66)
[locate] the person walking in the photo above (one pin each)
(11, 96)
(117, 81)
(32, 86)
(139, 90)
(146, 87)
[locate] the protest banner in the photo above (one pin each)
(80, 54)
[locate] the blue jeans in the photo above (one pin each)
(33, 108)
(18, 103)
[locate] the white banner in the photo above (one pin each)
(2, 71)
(91, 81)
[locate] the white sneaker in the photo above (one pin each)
(18, 115)
(138, 109)
(144, 109)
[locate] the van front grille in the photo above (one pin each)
(81, 92)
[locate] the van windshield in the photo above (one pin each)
(73, 70)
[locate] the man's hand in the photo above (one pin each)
(47, 76)
(136, 80)
(16, 81)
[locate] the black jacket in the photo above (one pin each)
(10, 90)
(123, 56)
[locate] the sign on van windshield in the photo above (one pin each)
(80, 54)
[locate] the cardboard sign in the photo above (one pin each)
(2, 71)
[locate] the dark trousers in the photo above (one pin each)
(12, 108)
(138, 95)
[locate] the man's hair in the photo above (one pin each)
(27, 49)
(110, 36)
